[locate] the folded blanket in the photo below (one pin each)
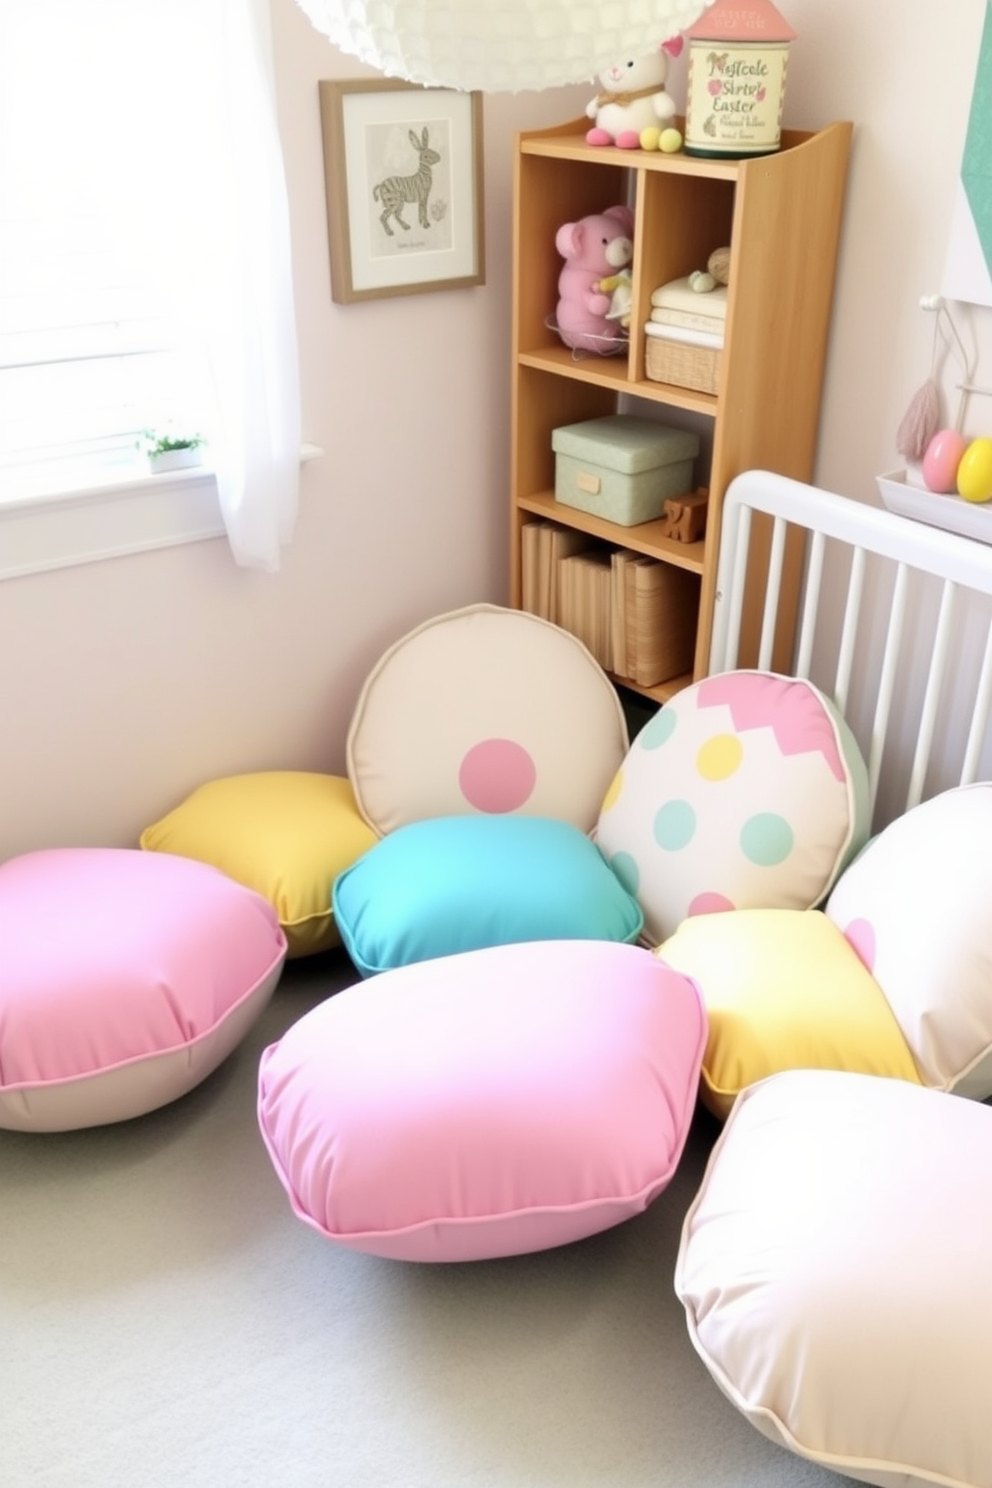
(684, 336)
(676, 295)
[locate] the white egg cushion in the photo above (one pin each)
(836, 1271)
(488, 1103)
(126, 977)
(746, 791)
(917, 907)
(485, 709)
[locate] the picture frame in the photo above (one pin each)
(403, 175)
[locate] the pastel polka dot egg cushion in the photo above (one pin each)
(746, 791)
(916, 909)
(485, 710)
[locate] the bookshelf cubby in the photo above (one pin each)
(781, 217)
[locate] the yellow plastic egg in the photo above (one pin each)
(975, 471)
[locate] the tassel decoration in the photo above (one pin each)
(920, 422)
(922, 418)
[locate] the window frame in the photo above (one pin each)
(133, 515)
(251, 417)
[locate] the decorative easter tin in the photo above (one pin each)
(735, 85)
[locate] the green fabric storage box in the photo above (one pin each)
(622, 468)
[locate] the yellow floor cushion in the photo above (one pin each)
(287, 834)
(783, 990)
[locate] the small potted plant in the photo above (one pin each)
(171, 451)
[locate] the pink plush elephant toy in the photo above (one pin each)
(594, 248)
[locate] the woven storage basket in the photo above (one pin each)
(696, 367)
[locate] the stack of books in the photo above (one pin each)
(636, 615)
(654, 611)
(543, 546)
(584, 603)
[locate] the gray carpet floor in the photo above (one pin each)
(166, 1322)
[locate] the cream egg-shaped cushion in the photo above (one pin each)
(747, 790)
(836, 1272)
(485, 710)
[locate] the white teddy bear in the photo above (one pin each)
(633, 108)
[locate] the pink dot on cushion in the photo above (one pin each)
(860, 936)
(497, 776)
(710, 903)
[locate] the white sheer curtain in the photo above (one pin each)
(148, 252)
(235, 250)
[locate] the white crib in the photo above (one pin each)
(894, 624)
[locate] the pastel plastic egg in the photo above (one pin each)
(670, 141)
(975, 471)
(941, 460)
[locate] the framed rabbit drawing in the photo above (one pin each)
(403, 178)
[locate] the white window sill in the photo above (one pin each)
(38, 533)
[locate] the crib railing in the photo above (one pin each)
(894, 624)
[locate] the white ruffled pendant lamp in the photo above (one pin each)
(495, 46)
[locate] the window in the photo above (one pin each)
(144, 256)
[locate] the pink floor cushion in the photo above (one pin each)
(125, 979)
(485, 710)
(836, 1272)
(917, 909)
(745, 791)
(486, 1104)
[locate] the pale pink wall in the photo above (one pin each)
(125, 683)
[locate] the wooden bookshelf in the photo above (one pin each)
(781, 216)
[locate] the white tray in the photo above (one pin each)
(952, 513)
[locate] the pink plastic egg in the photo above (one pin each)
(941, 461)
